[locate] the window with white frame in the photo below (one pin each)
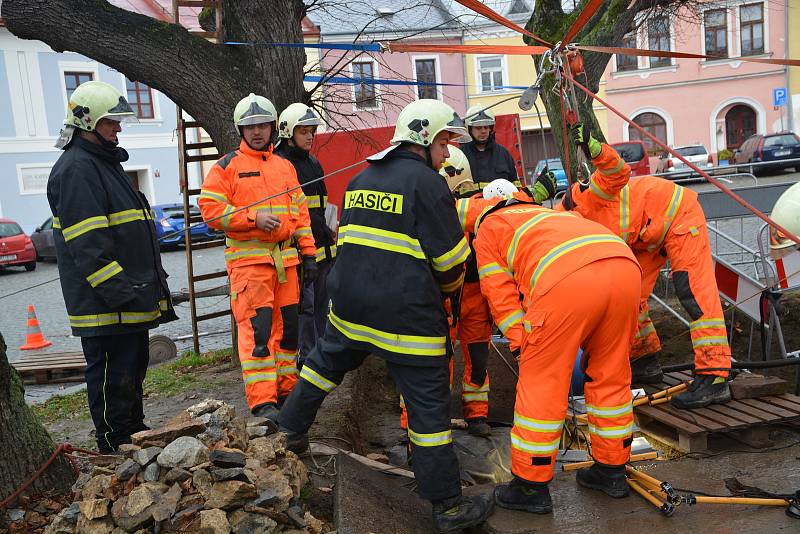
(628, 62)
(366, 96)
(425, 71)
(751, 29)
(140, 98)
(715, 22)
(490, 72)
(658, 38)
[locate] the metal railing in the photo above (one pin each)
(724, 170)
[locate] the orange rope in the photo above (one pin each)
(588, 12)
(685, 55)
(511, 50)
(689, 164)
(489, 13)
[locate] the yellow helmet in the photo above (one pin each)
(786, 213)
(477, 115)
(422, 120)
(92, 101)
(456, 170)
(296, 115)
(254, 109)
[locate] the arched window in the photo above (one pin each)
(740, 123)
(653, 124)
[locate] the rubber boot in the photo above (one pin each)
(479, 427)
(610, 479)
(297, 443)
(704, 390)
(519, 494)
(457, 513)
(646, 370)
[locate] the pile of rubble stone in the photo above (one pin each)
(206, 471)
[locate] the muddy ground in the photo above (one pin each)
(362, 414)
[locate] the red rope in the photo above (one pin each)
(689, 164)
(509, 50)
(65, 448)
(588, 12)
(682, 55)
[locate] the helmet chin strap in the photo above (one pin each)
(105, 143)
(429, 158)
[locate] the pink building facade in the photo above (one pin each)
(718, 102)
(366, 106)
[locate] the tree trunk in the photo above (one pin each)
(25, 445)
(205, 79)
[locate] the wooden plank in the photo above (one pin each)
(755, 412)
(783, 403)
(213, 315)
(721, 418)
(671, 381)
(741, 416)
(657, 414)
(792, 397)
(690, 416)
(49, 359)
(777, 410)
(36, 369)
(683, 376)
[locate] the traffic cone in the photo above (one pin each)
(34, 339)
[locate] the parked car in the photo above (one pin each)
(695, 153)
(169, 225)
(635, 155)
(554, 164)
(42, 239)
(775, 148)
(16, 248)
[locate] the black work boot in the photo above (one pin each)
(519, 494)
(610, 479)
(297, 443)
(270, 412)
(646, 370)
(479, 427)
(457, 513)
(704, 390)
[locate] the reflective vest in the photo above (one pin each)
(400, 248)
(246, 176)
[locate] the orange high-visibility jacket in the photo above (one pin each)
(245, 176)
(470, 209)
(640, 210)
(523, 250)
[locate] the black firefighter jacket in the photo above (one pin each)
(401, 248)
(489, 164)
(308, 168)
(108, 255)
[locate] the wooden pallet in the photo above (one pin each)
(688, 430)
(51, 367)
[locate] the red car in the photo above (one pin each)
(635, 155)
(16, 248)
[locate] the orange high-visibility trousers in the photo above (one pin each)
(595, 308)
(474, 330)
(689, 253)
(265, 311)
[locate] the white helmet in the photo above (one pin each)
(786, 213)
(499, 188)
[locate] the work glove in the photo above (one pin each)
(309, 269)
(545, 186)
(582, 136)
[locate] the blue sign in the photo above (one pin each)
(779, 96)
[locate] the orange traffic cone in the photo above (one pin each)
(34, 339)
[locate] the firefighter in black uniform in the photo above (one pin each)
(114, 287)
(487, 159)
(401, 249)
(297, 126)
